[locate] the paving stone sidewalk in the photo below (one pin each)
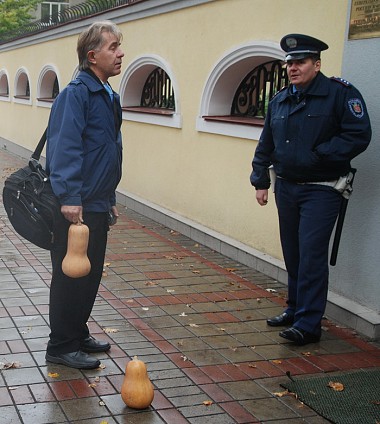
(195, 317)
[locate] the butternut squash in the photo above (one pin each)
(137, 390)
(76, 263)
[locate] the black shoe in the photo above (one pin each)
(77, 359)
(299, 337)
(283, 319)
(91, 345)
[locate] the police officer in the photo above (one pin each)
(313, 128)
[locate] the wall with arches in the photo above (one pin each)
(190, 170)
(181, 162)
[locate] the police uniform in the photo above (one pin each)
(309, 138)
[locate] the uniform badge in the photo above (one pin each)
(291, 42)
(356, 107)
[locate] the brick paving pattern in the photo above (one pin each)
(195, 317)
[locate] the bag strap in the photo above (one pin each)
(37, 153)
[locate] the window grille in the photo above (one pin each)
(55, 88)
(257, 88)
(158, 91)
(27, 89)
(4, 87)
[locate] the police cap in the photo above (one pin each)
(299, 46)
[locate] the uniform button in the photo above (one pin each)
(287, 141)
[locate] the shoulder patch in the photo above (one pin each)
(356, 107)
(341, 81)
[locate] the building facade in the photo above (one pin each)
(188, 147)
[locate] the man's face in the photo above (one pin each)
(106, 62)
(302, 71)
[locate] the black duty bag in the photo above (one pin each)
(30, 203)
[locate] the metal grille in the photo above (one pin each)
(70, 14)
(158, 91)
(257, 88)
(55, 88)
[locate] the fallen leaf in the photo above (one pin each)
(230, 269)
(101, 403)
(53, 374)
(338, 387)
(194, 325)
(277, 361)
(170, 290)
(207, 402)
(145, 308)
(92, 385)
(101, 367)
(183, 314)
(252, 366)
(110, 330)
(306, 353)
(258, 300)
(281, 394)
(8, 365)
(151, 283)
(271, 290)
(107, 264)
(184, 358)
(196, 272)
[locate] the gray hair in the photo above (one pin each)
(92, 39)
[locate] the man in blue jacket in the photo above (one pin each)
(84, 155)
(312, 130)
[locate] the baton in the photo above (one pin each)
(339, 224)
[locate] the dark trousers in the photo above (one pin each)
(72, 300)
(307, 214)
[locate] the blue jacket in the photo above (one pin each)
(84, 149)
(314, 139)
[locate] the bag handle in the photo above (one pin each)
(37, 153)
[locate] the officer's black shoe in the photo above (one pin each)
(91, 345)
(283, 319)
(76, 359)
(299, 337)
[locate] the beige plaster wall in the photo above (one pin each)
(201, 176)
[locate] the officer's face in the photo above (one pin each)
(302, 71)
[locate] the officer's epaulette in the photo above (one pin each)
(341, 81)
(279, 91)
